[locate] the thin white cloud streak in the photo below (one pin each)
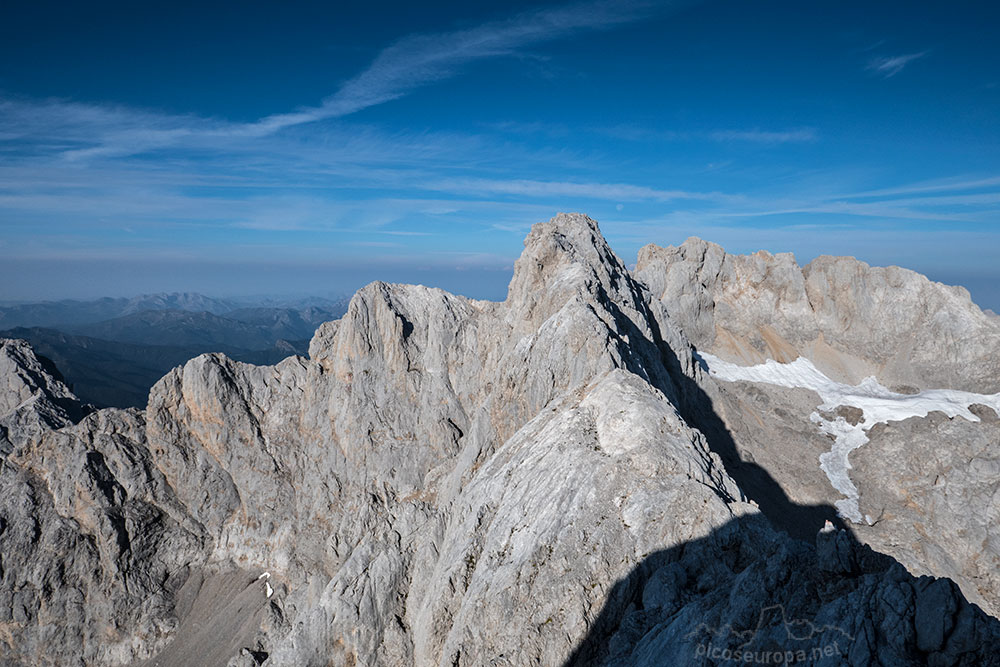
(751, 136)
(890, 66)
(975, 208)
(757, 136)
(886, 211)
(411, 63)
(419, 60)
(977, 199)
(631, 132)
(550, 189)
(939, 185)
(78, 131)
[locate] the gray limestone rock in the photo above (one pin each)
(851, 319)
(33, 398)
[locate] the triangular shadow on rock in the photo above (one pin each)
(746, 594)
(833, 600)
(656, 361)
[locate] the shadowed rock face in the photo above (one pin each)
(743, 595)
(442, 482)
(33, 398)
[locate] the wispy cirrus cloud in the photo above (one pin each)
(75, 130)
(419, 60)
(758, 136)
(564, 189)
(938, 185)
(890, 66)
(638, 133)
(82, 131)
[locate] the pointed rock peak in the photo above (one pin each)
(25, 375)
(568, 224)
(33, 397)
(561, 257)
(568, 238)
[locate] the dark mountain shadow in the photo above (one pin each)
(747, 594)
(798, 521)
(771, 584)
(655, 360)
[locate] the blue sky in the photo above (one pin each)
(312, 147)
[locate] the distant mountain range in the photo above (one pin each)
(71, 311)
(112, 373)
(180, 327)
(112, 350)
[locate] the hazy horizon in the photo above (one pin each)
(154, 147)
(334, 283)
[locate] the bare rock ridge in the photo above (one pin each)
(852, 320)
(553, 479)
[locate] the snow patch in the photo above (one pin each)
(878, 404)
(267, 585)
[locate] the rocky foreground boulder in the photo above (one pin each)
(562, 478)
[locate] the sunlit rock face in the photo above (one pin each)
(850, 319)
(556, 478)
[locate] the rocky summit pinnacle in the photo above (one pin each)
(574, 476)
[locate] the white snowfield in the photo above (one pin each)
(878, 404)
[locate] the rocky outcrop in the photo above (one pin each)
(443, 481)
(33, 398)
(852, 320)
